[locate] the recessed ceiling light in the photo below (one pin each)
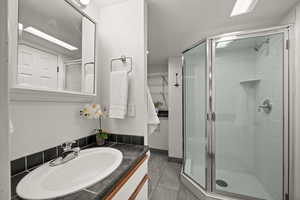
(242, 7)
(50, 38)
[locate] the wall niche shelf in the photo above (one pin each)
(250, 81)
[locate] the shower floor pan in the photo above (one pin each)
(237, 182)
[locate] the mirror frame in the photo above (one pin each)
(20, 93)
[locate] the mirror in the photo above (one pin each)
(56, 47)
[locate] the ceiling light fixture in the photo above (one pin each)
(50, 38)
(242, 7)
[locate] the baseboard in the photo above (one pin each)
(177, 160)
(170, 159)
(159, 151)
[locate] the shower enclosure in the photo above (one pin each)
(236, 115)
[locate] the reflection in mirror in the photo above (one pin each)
(56, 47)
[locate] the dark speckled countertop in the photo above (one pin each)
(132, 154)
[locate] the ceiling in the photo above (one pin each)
(176, 24)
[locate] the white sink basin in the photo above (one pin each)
(91, 166)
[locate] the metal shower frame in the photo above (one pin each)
(288, 123)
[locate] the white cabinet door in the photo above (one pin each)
(37, 68)
(46, 65)
(25, 66)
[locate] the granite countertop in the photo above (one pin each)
(132, 154)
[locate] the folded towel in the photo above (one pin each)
(118, 94)
(153, 120)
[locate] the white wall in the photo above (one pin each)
(175, 108)
(157, 68)
(123, 32)
(293, 17)
(4, 136)
(40, 125)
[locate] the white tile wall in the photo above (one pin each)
(234, 109)
(268, 127)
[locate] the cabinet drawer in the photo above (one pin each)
(141, 192)
(126, 187)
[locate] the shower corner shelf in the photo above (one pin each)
(248, 81)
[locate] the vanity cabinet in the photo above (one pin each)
(134, 185)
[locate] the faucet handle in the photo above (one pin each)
(67, 145)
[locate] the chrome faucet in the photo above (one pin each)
(68, 154)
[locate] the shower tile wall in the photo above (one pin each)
(235, 111)
(268, 127)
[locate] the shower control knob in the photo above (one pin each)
(266, 106)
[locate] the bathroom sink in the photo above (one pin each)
(92, 165)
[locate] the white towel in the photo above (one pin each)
(118, 94)
(153, 120)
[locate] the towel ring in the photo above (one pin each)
(124, 60)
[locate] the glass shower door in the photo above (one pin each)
(194, 99)
(249, 126)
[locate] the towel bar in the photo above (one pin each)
(123, 59)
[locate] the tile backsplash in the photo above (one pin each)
(29, 162)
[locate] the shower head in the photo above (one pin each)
(259, 46)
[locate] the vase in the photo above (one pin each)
(100, 141)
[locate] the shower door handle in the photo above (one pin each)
(211, 116)
(210, 155)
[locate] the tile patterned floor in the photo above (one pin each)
(164, 181)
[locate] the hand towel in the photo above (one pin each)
(118, 94)
(153, 120)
